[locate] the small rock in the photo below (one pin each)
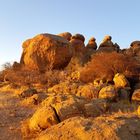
(108, 92)
(136, 95)
(120, 81)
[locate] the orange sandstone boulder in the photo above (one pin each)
(46, 51)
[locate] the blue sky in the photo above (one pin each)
(22, 19)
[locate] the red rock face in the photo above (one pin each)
(46, 51)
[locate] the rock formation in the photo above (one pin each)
(66, 35)
(92, 44)
(46, 51)
(107, 45)
(77, 42)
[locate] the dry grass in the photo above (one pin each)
(26, 77)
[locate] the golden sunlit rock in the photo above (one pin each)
(46, 51)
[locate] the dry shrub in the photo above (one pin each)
(24, 76)
(106, 65)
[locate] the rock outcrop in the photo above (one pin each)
(107, 45)
(115, 127)
(46, 51)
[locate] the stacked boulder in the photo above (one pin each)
(107, 45)
(90, 49)
(92, 44)
(77, 42)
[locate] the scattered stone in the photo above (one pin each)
(65, 88)
(136, 95)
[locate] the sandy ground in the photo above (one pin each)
(11, 115)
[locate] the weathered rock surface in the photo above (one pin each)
(79, 128)
(57, 108)
(46, 51)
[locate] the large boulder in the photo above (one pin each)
(115, 127)
(46, 51)
(65, 88)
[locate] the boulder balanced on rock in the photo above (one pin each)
(107, 45)
(77, 42)
(92, 44)
(46, 51)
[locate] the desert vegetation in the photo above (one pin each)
(63, 89)
(106, 65)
